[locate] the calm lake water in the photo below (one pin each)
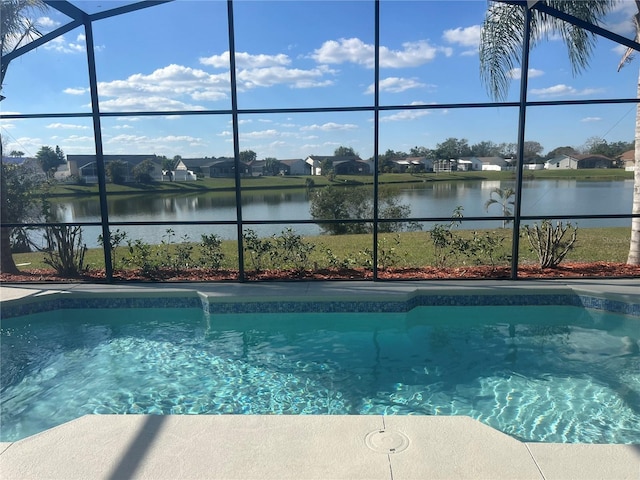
(439, 199)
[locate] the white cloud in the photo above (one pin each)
(261, 134)
(404, 115)
(516, 73)
(47, 23)
(76, 91)
(78, 139)
(329, 126)
(246, 60)
(354, 50)
(563, 90)
(294, 77)
(153, 103)
(60, 45)
(68, 126)
(396, 85)
(146, 143)
(465, 37)
(591, 119)
(159, 89)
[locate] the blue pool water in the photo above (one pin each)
(538, 373)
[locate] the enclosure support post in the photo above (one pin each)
(515, 243)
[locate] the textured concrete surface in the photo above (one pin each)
(284, 447)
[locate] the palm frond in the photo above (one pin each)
(502, 33)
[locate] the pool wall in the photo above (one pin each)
(327, 302)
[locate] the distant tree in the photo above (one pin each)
(340, 203)
(326, 167)
(532, 151)
(169, 164)
(599, 146)
(271, 166)
(385, 163)
(420, 152)
(345, 152)
(248, 156)
(556, 152)
(593, 143)
(508, 150)
(485, 149)
(453, 148)
(49, 159)
(116, 171)
(16, 153)
(142, 172)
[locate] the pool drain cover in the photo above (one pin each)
(387, 441)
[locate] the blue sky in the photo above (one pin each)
(293, 54)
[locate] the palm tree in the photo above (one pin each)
(16, 27)
(634, 247)
(502, 37)
(505, 200)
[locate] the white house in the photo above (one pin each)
(469, 164)
(578, 161)
(495, 164)
(561, 162)
(533, 166)
(297, 166)
(348, 165)
(180, 173)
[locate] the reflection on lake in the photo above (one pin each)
(431, 199)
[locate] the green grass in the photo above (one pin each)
(412, 249)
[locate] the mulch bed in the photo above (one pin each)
(565, 270)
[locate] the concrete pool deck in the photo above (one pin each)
(305, 447)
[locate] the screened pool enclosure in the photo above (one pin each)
(243, 140)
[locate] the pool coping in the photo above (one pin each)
(304, 447)
(326, 297)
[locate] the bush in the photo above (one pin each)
(549, 242)
(64, 250)
(211, 255)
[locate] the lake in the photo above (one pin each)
(431, 199)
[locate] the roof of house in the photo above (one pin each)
(334, 159)
(628, 156)
(290, 161)
(130, 159)
(579, 158)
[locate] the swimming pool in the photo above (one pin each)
(537, 367)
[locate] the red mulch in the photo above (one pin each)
(565, 270)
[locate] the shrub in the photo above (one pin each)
(211, 255)
(259, 251)
(549, 242)
(293, 252)
(64, 250)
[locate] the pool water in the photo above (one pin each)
(543, 374)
